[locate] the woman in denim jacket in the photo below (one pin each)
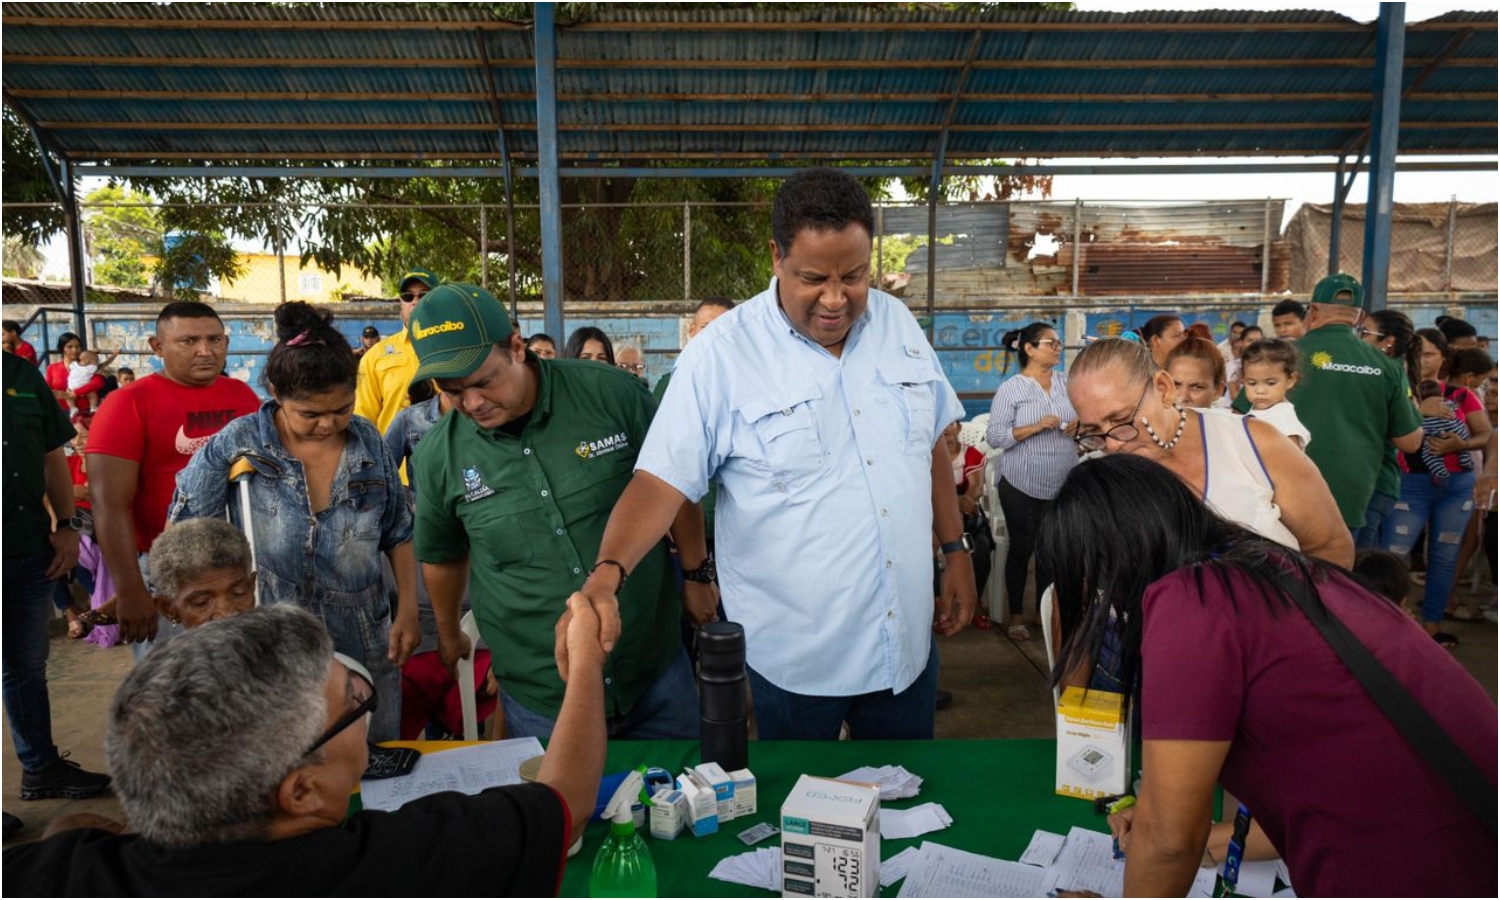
(326, 501)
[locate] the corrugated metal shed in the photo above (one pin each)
(649, 82)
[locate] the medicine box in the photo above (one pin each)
(718, 779)
(1093, 744)
(744, 799)
(703, 806)
(830, 839)
(669, 813)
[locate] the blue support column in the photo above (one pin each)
(551, 193)
(1385, 124)
(73, 223)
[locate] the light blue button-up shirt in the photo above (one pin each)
(824, 463)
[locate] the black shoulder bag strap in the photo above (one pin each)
(1423, 732)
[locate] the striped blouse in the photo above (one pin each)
(1037, 465)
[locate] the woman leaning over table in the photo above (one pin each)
(325, 499)
(1030, 419)
(1237, 686)
(1242, 468)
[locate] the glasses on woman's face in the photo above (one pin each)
(363, 686)
(1371, 335)
(1123, 432)
(1050, 343)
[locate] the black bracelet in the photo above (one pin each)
(610, 562)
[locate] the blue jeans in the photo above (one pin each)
(667, 711)
(1444, 509)
(27, 605)
(1368, 537)
(781, 715)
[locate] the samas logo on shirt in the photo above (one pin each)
(602, 446)
(474, 486)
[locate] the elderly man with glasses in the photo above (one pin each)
(386, 369)
(238, 745)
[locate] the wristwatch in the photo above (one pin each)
(964, 543)
(704, 574)
(75, 523)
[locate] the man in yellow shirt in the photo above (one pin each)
(386, 369)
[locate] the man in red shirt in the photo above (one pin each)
(145, 435)
(10, 339)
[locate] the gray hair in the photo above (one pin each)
(190, 548)
(204, 729)
(1132, 359)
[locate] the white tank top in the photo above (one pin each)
(1236, 484)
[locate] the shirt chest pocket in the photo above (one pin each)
(913, 388)
(785, 432)
(499, 527)
(366, 508)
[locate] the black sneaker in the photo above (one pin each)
(63, 778)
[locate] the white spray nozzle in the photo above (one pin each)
(618, 808)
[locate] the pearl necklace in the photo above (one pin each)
(1181, 425)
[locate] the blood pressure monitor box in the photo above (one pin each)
(1093, 744)
(830, 839)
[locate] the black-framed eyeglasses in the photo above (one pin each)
(1125, 431)
(365, 708)
(411, 296)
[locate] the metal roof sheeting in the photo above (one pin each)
(654, 82)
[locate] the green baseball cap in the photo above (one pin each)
(1328, 290)
(453, 328)
(425, 276)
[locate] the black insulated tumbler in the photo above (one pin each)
(721, 695)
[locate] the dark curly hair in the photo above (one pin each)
(822, 199)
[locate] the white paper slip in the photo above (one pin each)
(909, 823)
(467, 770)
(1087, 863)
(1044, 847)
(895, 782)
(758, 868)
(940, 871)
(757, 833)
(894, 869)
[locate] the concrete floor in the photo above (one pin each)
(1000, 690)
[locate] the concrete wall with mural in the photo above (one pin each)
(968, 341)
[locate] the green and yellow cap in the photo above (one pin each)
(426, 276)
(453, 328)
(1339, 289)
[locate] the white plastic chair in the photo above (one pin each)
(1044, 612)
(465, 673)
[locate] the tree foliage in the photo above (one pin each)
(122, 239)
(26, 182)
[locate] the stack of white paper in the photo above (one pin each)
(940, 871)
(909, 823)
(1043, 848)
(894, 869)
(758, 868)
(467, 770)
(895, 782)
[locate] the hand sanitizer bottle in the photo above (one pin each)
(623, 867)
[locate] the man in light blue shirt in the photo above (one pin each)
(817, 406)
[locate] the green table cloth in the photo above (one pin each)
(998, 793)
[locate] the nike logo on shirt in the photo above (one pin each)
(208, 420)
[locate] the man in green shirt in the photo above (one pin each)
(37, 554)
(1353, 398)
(514, 488)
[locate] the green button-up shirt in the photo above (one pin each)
(34, 425)
(529, 512)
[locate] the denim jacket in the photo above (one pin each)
(328, 559)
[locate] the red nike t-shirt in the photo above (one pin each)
(158, 424)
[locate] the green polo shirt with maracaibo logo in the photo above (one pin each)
(530, 512)
(34, 425)
(1353, 399)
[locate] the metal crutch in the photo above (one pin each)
(240, 472)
